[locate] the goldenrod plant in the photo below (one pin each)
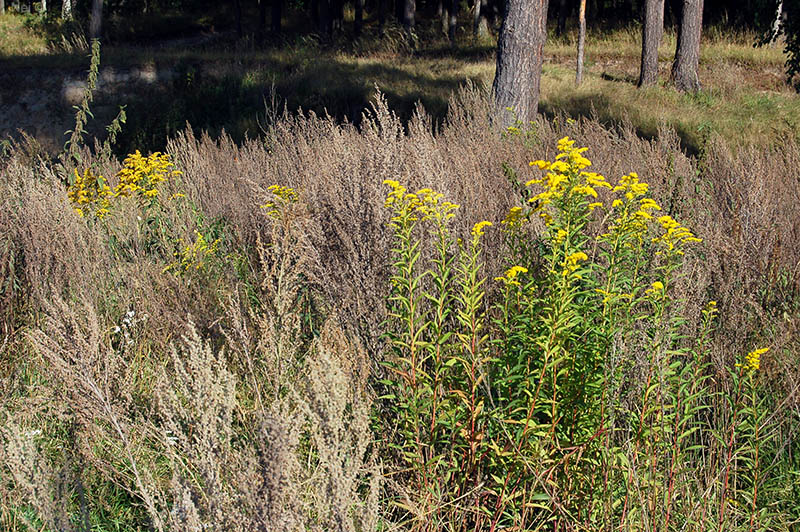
(530, 419)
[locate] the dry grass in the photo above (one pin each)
(239, 395)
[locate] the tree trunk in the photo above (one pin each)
(776, 26)
(96, 22)
(687, 54)
(409, 14)
(276, 16)
(2, 7)
(480, 29)
(652, 29)
(359, 17)
(66, 9)
(581, 42)
(452, 22)
(519, 60)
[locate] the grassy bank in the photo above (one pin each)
(744, 98)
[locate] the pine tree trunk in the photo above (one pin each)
(652, 29)
(481, 29)
(687, 54)
(519, 60)
(409, 14)
(581, 42)
(96, 22)
(453, 21)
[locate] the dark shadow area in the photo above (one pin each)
(598, 107)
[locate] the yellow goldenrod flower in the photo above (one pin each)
(752, 361)
(657, 289)
(593, 206)
(571, 261)
(510, 277)
(478, 228)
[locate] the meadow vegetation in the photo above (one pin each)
(409, 319)
(334, 327)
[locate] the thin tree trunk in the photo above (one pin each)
(481, 28)
(687, 54)
(652, 30)
(519, 60)
(581, 42)
(66, 9)
(776, 26)
(96, 22)
(409, 14)
(2, 7)
(452, 21)
(276, 16)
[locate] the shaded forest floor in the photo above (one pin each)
(213, 81)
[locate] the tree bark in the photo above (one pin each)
(96, 22)
(276, 16)
(2, 7)
(652, 29)
(519, 60)
(66, 9)
(687, 54)
(581, 42)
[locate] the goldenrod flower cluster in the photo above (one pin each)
(566, 178)
(515, 218)
(634, 211)
(425, 203)
(571, 261)
(510, 277)
(90, 193)
(674, 235)
(752, 361)
(657, 289)
(195, 255)
(431, 206)
(478, 228)
(141, 175)
(283, 196)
